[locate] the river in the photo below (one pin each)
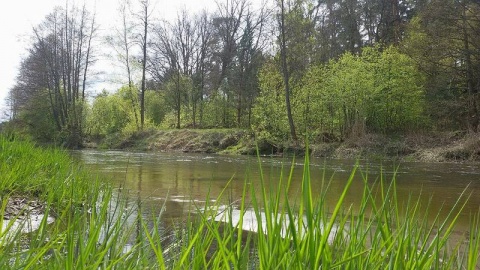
(178, 178)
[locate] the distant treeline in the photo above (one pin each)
(287, 70)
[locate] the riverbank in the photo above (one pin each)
(433, 147)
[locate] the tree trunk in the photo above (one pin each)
(179, 100)
(144, 65)
(286, 77)
(473, 115)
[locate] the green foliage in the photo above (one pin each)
(398, 97)
(49, 174)
(317, 103)
(332, 94)
(155, 106)
(270, 113)
(107, 115)
(120, 112)
(218, 111)
(177, 91)
(300, 42)
(37, 122)
(338, 83)
(378, 91)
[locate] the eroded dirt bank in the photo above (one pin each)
(437, 147)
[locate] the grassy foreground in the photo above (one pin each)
(96, 227)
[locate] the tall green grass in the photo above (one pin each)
(97, 227)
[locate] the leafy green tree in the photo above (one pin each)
(114, 113)
(38, 122)
(31, 112)
(379, 91)
(295, 37)
(270, 113)
(315, 103)
(347, 88)
(108, 115)
(155, 107)
(398, 97)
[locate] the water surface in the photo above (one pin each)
(178, 178)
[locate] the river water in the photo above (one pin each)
(178, 178)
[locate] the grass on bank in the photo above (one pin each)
(98, 227)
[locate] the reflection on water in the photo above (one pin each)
(249, 222)
(180, 178)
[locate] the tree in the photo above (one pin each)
(62, 55)
(285, 71)
(249, 59)
(398, 100)
(227, 25)
(203, 53)
(185, 42)
(156, 107)
(176, 94)
(109, 113)
(122, 42)
(269, 111)
(166, 65)
(31, 111)
(444, 39)
(379, 91)
(337, 25)
(144, 18)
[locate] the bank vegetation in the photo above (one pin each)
(286, 71)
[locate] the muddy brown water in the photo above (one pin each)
(177, 179)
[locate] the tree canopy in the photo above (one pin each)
(313, 68)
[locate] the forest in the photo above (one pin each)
(288, 70)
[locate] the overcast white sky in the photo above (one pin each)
(19, 16)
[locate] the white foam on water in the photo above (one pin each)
(251, 223)
(27, 224)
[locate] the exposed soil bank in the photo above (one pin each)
(437, 147)
(177, 140)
